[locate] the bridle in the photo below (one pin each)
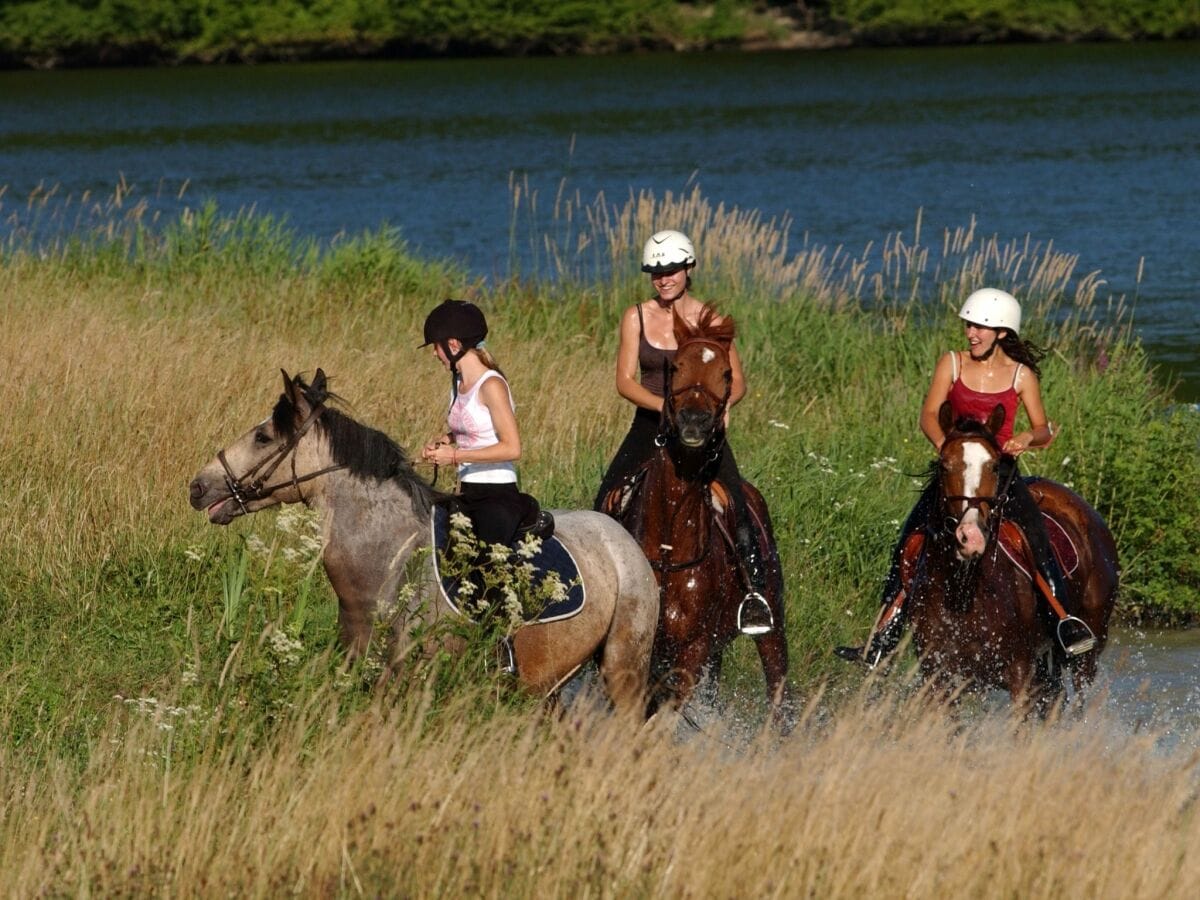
(992, 501)
(667, 429)
(262, 470)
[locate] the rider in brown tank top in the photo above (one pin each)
(647, 340)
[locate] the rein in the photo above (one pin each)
(258, 488)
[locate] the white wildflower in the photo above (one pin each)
(460, 521)
(466, 589)
(256, 545)
(285, 647)
(1066, 461)
(529, 546)
(498, 553)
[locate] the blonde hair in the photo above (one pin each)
(489, 361)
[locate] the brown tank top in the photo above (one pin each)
(651, 360)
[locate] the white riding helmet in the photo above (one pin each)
(667, 251)
(993, 308)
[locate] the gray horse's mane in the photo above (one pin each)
(365, 452)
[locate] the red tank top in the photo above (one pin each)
(978, 405)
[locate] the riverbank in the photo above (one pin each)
(46, 34)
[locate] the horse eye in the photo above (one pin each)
(261, 437)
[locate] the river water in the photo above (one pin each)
(1093, 147)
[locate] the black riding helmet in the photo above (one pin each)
(458, 319)
(455, 319)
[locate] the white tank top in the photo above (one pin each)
(472, 427)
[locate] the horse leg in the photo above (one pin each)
(773, 654)
(624, 659)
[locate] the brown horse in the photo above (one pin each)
(977, 617)
(684, 521)
(376, 517)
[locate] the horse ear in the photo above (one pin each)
(289, 386)
(682, 329)
(946, 417)
(318, 391)
(996, 419)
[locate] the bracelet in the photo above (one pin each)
(454, 457)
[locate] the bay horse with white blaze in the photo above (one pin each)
(376, 515)
(684, 520)
(977, 616)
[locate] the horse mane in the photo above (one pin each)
(365, 452)
(707, 328)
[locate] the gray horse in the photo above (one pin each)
(375, 515)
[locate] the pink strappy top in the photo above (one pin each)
(978, 405)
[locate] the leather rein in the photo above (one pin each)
(261, 471)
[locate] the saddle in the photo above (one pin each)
(1012, 541)
(551, 558)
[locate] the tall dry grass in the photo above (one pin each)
(886, 799)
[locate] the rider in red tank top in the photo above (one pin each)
(967, 403)
(999, 367)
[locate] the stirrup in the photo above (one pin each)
(1075, 644)
(506, 656)
(757, 619)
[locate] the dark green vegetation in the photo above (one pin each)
(46, 33)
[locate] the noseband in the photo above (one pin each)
(258, 489)
(992, 501)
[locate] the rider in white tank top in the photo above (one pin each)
(472, 427)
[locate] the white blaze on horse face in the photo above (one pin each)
(975, 457)
(707, 355)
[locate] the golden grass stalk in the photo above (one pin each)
(894, 799)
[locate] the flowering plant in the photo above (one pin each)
(495, 581)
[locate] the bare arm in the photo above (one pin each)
(1039, 434)
(939, 391)
(627, 365)
(493, 393)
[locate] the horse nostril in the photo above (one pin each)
(195, 490)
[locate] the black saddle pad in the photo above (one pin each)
(552, 557)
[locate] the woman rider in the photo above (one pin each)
(998, 367)
(647, 344)
(482, 442)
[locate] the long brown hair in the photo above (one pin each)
(1022, 351)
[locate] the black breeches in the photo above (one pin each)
(631, 455)
(495, 510)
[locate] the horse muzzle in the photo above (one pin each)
(221, 506)
(970, 538)
(694, 427)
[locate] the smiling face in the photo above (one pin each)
(981, 340)
(670, 286)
